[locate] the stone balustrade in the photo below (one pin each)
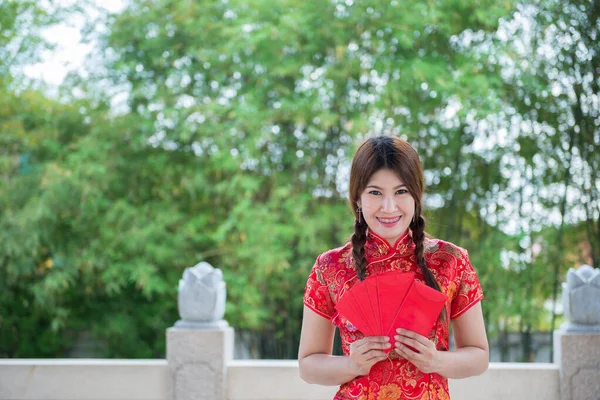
(90, 379)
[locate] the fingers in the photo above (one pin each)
(373, 342)
(411, 335)
(379, 356)
(368, 351)
(374, 339)
(374, 352)
(403, 340)
(412, 339)
(374, 347)
(406, 352)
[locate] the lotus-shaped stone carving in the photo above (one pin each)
(202, 293)
(581, 299)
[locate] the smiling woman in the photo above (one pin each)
(386, 192)
(386, 205)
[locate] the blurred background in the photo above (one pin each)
(140, 137)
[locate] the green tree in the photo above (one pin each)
(272, 98)
(552, 87)
(32, 129)
(233, 147)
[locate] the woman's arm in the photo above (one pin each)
(471, 356)
(317, 365)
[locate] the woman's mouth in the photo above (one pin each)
(388, 222)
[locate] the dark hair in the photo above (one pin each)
(384, 152)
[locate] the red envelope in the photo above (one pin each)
(372, 289)
(349, 307)
(392, 289)
(419, 311)
(385, 302)
(363, 299)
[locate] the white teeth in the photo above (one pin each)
(389, 220)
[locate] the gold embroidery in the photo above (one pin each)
(389, 392)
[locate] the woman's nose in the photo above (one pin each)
(388, 204)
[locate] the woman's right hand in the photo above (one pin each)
(366, 352)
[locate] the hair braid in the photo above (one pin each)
(418, 236)
(359, 238)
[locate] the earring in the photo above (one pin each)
(359, 211)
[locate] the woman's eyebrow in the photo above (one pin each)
(378, 188)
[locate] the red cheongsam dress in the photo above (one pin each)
(394, 378)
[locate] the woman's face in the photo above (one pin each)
(387, 206)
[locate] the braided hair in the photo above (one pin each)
(359, 238)
(418, 236)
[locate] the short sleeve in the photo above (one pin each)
(468, 289)
(316, 295)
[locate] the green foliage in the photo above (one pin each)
(233, 148)
(21, 23)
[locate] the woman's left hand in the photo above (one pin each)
(425, 358)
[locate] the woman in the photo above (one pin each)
(386, 195)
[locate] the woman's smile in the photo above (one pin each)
(389, 222)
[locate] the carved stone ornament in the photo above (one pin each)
(201, 298)
(581, 300)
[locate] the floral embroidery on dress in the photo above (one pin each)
(389, 392)
(395, 378)
(374, 250)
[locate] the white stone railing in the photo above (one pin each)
(199, 366)
(83, 379)
(90, 379)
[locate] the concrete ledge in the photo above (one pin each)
(272, 380)
(77, 379)
(510, 381)
(278, 380)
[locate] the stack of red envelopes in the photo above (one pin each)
(385, 302)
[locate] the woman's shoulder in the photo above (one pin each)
(333, 265)
(434, 246)
(334, 257)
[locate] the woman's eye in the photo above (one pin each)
(375, 192)
(401, 191)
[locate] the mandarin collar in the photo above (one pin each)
(377, 248)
